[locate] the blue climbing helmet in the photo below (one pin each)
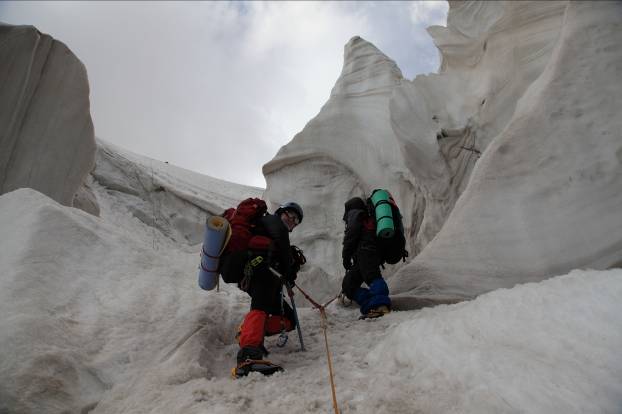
(291, 206)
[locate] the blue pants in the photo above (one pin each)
(377, 295)
(366, 270)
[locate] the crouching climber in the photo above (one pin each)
(362, 260)
(269, 314)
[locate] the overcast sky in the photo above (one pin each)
(219, 87)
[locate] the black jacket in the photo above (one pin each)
(360, 230)
(273, 227)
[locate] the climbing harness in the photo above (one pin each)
(249, 269)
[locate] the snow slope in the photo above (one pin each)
(97, 318)
(171, 199)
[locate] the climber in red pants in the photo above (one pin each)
(269, 313)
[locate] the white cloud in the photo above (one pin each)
(218, 87)
(429, 12)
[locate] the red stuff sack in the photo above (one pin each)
(242, 220)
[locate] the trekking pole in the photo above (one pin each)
(282, 340)
(291, 298)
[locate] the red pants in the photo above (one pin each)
(257, 324)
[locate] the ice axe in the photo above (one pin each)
(291, 298)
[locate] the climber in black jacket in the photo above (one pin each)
(269, 314)
(361, 259)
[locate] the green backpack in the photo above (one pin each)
(389, 226)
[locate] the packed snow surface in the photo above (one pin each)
(96, 316)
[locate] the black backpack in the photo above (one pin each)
(392, 249)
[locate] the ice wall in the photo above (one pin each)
(506, 163)
(46, 133)
(546, 195)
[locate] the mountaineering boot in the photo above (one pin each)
(251, 352)
(376, 312)
(262, 366)
(250, 359)
(376, 297)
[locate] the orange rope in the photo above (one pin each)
(322, 309)
(330, 363)
(314, 303)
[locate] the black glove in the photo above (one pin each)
(347, 263)
(298, 258)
